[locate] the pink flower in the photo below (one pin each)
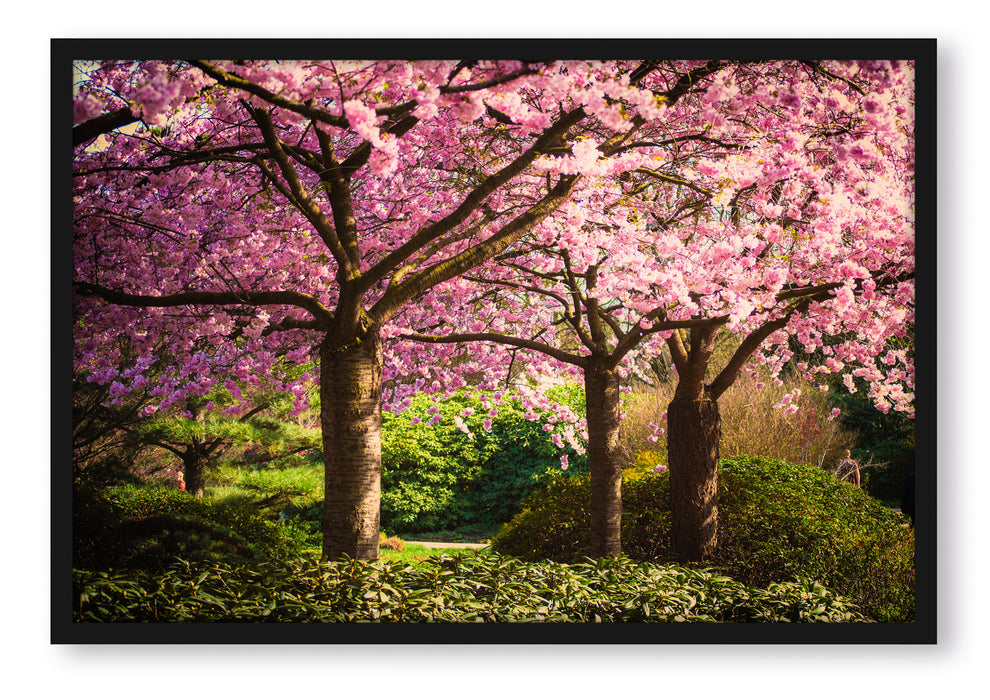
(117, 389)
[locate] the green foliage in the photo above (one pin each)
(777, 522)
(882, 438)
(271, 489)
(436, 477)
(151, 543)
(460, 588)
(145, 528)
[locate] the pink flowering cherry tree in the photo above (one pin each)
(778, 209)
(255, 210)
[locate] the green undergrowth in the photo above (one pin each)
(777, 522)
(437, 477)
(147, 528)
(466, 587)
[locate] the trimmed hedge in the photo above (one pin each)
(777, 522)
(461, 588)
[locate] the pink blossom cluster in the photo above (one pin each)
(768, 193)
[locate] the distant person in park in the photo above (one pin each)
(848, 469)
(907, 497)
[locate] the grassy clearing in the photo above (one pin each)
(418, 555)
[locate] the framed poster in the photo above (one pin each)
(320, 290)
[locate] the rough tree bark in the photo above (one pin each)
(602, 408)
(350, 392)
(193, 473)
(695, 431)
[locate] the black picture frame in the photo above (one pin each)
(922, 631)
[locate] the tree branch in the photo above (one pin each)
(470, 203)
(233, 81)
(103, 124)
(322, 316)
(417, 283)
(345, 268)
(569, 358)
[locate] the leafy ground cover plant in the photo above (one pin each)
(780, 522)
(460, 588)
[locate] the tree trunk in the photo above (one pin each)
(694, 432)
(602, 408)
(350, 393)
(193, 473)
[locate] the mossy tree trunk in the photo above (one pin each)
(350, 392)
(602, 409)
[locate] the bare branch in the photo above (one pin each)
(103, 124)
(322, 317)
(569, 358)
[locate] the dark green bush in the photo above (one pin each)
(462, 588)
(154, 542)
(147, 528)
(777, 522)
(882, 438)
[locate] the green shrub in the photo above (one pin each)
(147, 528)
(154, 542)
(438, 477)
(460, 588)
(777, 522)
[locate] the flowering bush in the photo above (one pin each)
(472, 468)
